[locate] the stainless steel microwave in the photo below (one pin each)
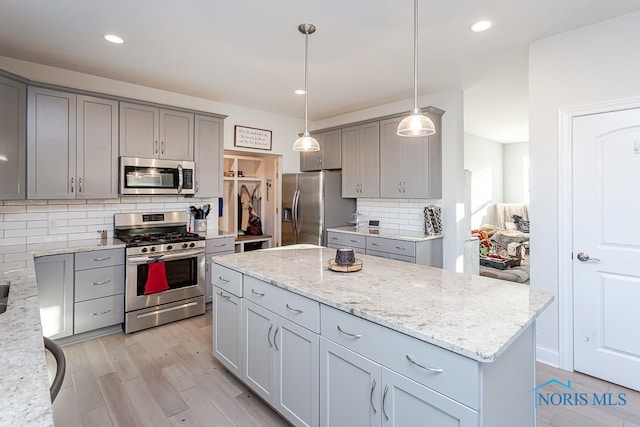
(155, 176)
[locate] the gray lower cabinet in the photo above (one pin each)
(151, 132)
(227, 332)
(72, 146)
(209, 155)
(54, 275)
(411, 167)
(99, 290)
(13, 118)
(360, 165)
(216, 246)
(329, 156)
(424, 252)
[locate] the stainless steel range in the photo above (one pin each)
(165, 268)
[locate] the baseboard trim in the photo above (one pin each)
(548, 356)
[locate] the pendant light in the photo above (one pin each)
(306, 142)
(416, 124)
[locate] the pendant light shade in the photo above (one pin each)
(416, 124)
(306, 142)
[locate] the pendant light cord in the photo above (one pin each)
(415, 55)
(306, 79)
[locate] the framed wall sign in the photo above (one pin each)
(252, 138)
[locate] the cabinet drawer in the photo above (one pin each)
(392, 246)
(102, 258)
(341, 240)
(98, 313)
(99, 282)
(301, 310)
(377, 253)
(227, 279)
(404, 258)
(220, 245)
(460, 376)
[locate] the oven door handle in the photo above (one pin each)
(167, 257)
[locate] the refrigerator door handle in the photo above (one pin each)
(296, 198)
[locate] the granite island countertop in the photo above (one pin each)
(410, 236)
(24, 381)
(475, 316)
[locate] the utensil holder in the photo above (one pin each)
(199, 225)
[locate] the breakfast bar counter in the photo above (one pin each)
(394, 340)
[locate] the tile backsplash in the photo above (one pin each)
(396, 214)
(42, 221)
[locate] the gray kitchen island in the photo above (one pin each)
(393, 344)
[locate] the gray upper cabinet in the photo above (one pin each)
(360, 160)
(410, 167)
(51, 144)
(72, 146)
(97, 148)
(13, 116)
(209, 156)
(151, 132)
(329, 156)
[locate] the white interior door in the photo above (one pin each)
(606, 246)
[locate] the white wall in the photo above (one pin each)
(588, 65)
(514, 172)
(455, 225)
(484, 158)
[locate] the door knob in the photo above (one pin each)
(585, 257)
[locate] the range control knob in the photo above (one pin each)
(153, 249)
(144, 250)
(192, 245)
(184, 245)
(169, 247)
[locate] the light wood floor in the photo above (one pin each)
(167, 376)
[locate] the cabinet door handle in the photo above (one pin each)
(373, 387)
(79, 185)
(294, 309)
(402, 248)
(355, 241)
(100, 259)
(375, 244)
(400, 187)
(103, 282)
(253, 291)
(222, 245)
(227, 297)
(427, 368)
(222, 279)
(275, 342)
(156, 149)
(162, 147)
(197, 186)
(269, 336)
(384, 397)
(349, 334)
(335, 238)
(100, 314)
(72, 185)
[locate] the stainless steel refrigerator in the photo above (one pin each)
(311, 203)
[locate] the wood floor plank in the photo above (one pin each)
(115, 345)
(231, 409)
(204, 409)
(186, 358)
(121, 409)
(179, 377)
(185, 419)
(258, 411)
(99, 358)
(88, 390)
(143, 397)
(97, 418)
(66, 411)
(150, 367)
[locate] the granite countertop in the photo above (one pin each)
(475, 316)
(410, 236)
(24, 382)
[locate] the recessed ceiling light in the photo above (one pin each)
(299, 92)
(113, 39)
(481, 26)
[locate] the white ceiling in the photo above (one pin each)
(249, 52)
